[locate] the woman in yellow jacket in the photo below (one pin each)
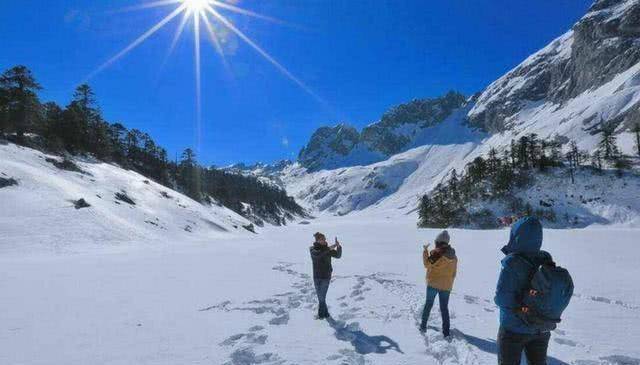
(441, 265)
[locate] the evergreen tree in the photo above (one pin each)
(493, 162)
(636, 131)
(608, 143)
(81, 129)
(425, 210)
(132, 143)
(53, 119)
(555, 153)
(573, 159)
(117, 136)
(477, 170)
(523, 152)
(95, 130)
(596, 160)
(19, 104)
(189, 175)
(543, 160)
(513, 153)
(533, 150)
(454, 186)
(504, 180)
(621, 163)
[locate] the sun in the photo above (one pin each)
(196, 6)
(207, 18)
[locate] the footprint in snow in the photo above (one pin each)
(471, 299)
(247, 356)
(620, 360)
(566, 342)
(281, 320)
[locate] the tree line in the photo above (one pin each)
(500, 174)
(80, 128)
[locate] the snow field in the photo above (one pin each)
(250, 300)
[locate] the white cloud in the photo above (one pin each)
(285, 142)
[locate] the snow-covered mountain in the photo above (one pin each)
(397, 130)
(587, 76)
(584, 79)
(41, 206)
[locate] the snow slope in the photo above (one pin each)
(560, 91)
(393, 186)
(249, 300)
(39, 212)
(393, 183)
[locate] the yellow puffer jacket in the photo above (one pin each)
(442, 273)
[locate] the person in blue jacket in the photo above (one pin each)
(523, 256)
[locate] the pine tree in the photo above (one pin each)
(555, 153)
(596, 160)
(533, 150)
(608, 143)
(636, 131)
(573, 159)
(50, 129)
(96, 135)
(543, 161)
(189, 176)
(19, 104)
(493, 162)
(454, 186)
(425, 211)
(523, 152)
(81, 129)
(117, 135)
(513, 153)
(477, 170)
(621, 163)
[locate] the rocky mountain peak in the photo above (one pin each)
(342, 145)
(603, 44)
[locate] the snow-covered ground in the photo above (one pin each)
(244, 300)
(39, 213)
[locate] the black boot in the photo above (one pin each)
(323, 311)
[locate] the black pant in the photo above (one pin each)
(511, 345)
(322, 286)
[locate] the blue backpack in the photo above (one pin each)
(548, 296)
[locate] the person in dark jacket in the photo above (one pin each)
(523, 256)
(321, 254)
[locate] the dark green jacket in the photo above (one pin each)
(321, 257)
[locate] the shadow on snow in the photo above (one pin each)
(490, 346)
(362, 343)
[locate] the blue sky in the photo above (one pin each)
(360, 56)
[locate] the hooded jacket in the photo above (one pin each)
(321, 257)
(523, 257)
(442, 267)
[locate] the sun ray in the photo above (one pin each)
(147, 5)
(250, 13)
(215, 40)
(196, 31)
(262, 52)
(176, 37)
(203, 12)
(138, 41)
